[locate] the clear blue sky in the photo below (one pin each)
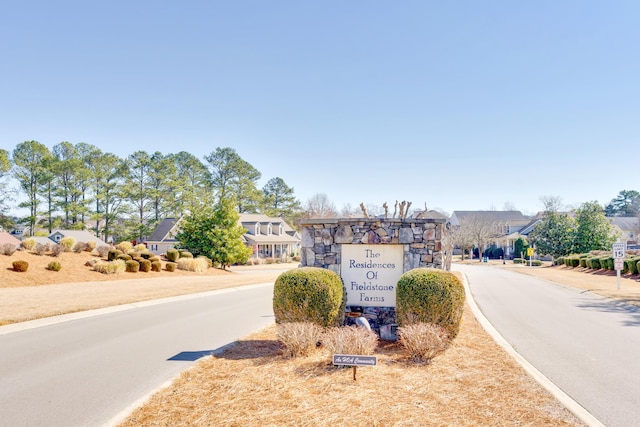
(463, 105)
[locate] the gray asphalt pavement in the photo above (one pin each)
(589, 346)
(86, 372)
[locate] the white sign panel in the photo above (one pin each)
(618, 264)
(619, 250)
(371, 273)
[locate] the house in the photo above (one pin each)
(78, 235)
(269, 237)
(163, 237)
(628, 228)
(6, 238)
(505, 226)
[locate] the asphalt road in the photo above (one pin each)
(587, 345)
(86, 372)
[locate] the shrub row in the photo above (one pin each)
(599, 261)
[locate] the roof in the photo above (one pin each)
(503, 216)
(80, 236)
(630, 223)
(163, 231)
(8, 238)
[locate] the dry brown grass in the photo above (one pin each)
(474, 383)
(76, 287)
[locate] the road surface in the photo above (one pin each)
(589, 346)
(86, 372)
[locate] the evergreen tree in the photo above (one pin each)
(215, 233)
(593, 231)
(28, 159)
(279, 200)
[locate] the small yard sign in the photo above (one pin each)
(354, 360)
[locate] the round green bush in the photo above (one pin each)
(428, 295)
(186, 254)
(113, 254)
(132, 266)
(170, 266)
(309, 294)
(172, 255)
(145, 265)
(156, 266)
(124, 257)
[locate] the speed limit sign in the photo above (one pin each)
(619, 250)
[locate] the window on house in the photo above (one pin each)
(257, 229)
(269, 229)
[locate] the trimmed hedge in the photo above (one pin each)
(54, 266)
(132, 266)
(309, 294)
(172, 255)
(428, 295)
(170, 266)
(145, 265)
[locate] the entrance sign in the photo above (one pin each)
(371, 273)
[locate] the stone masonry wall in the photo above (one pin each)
(323, 239)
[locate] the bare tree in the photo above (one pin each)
(479, 230)
(319, 206)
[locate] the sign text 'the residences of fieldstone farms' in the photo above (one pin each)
(371, 273)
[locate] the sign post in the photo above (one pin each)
(618, 250)
(530, 254)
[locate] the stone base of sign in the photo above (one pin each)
(323, 239)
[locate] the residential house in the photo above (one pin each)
(163, 237)
(269, 237)
(505, 226)
(628, 227)
(78, 235)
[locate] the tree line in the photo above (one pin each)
(78, 186)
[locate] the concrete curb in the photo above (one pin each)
(578, 410)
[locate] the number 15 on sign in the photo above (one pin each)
(619, 250)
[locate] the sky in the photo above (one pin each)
(457, 105)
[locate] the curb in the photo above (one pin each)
(574, 407)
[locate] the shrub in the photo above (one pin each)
(350, 340)
(172, 255)
(41, 249)
(536, 263)
(124, 257)
(91, 245)
(207, 260)
(427, 295)
(631, 265)
(113, 254)
(54, 266)
(583, 262)
(80, 247)
(638, 267)
(146, 255)
(170, 266)
(132, 266)
(9, 249)
(192, 264)
(607, 262)
(20, 266)
(309, 294)
(124, 246)
(186, 254)
(103, 250)
(156, 266)
(140, 247)
(67, 243)
(154, 259)
(91, 262)
(112, 267)
(56, 250)
(518, 260)
(145, 265)
(299, 338)
(572, 261)
(595, 263)
(28, 244)
(559, 261)
(423, 341)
